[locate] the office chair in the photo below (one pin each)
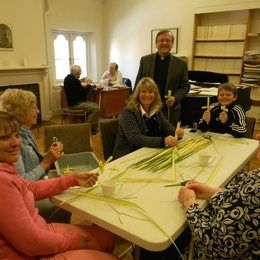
(207, 76)
(68, 111)
(76, 138)
(243, 98)
(108, 132)
(128, 83)
(250, 124)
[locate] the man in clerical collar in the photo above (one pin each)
(169, 73)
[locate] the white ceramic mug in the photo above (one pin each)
(204, 159)
(109, 187)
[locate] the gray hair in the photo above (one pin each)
(75, 69)
(17, 102)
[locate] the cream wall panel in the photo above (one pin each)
(28, 32)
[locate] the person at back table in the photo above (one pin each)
(169, 73)
(112, 76)
(225, 116)
(76, 95)
(142, 123)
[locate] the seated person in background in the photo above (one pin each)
(32, 165)
(228, 228)
(76, 95)
(112, 76)
(142, 123)
(225, 116)
(24, 233)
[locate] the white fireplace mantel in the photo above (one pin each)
(29, 75)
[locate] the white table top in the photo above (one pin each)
(158, 201)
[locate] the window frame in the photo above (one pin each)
(70, 36)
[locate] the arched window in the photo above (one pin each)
(70, 48)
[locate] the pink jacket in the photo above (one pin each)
(23, 233)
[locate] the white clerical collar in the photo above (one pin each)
(145, 114)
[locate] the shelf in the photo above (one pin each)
(223, 40)
(253, 35)
(218, 57)
(23, 68)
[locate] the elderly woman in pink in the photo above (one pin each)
(24, 234)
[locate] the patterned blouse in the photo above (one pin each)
(228, 228)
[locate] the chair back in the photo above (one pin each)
(76, 138)
(243, 98)
(250, 124)
(207, 76)
(69, 111)
(108, 132)
(63, 98)
(128, 83)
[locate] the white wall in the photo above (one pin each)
(32, 22)
(26, 20)
(122, 30)
(128, 26)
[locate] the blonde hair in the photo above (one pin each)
(148, 83)
(17, 102)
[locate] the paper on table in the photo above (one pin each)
(209, 91)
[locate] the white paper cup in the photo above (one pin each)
(109, 188)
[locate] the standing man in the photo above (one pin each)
(76, 95)
(169, 73)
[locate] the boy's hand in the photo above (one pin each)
(223, 117)
(206, 116)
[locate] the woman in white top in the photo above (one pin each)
(112, 76)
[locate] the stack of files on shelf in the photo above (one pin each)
(251, 74)
(229, 66)
(226, 49)
(221, 32)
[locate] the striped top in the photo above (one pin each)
(235, 125)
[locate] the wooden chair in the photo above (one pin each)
(76, 138)
(68, 111)
(250, 124)
(108, 132)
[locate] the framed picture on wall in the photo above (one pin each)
(174, 32)
(6, 37)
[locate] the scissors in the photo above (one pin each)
(183, 183)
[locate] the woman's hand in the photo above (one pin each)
(53, 154)
(223, 117)
(206, 116)
(86, 179)
(185, 195)
(180, 132)
(202, 190)
(170, 141)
